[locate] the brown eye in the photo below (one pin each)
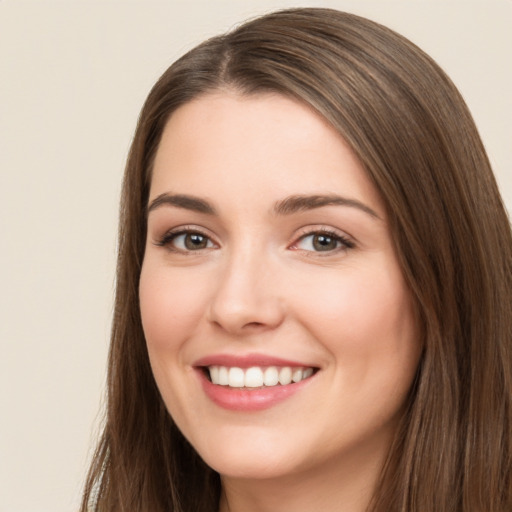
(185, 241)
(324, 242)
(194, 241)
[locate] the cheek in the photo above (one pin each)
(171, 304)
(366, 323)
(365, 320)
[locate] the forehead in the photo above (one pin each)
(270, 144)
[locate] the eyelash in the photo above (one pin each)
(169, 237)
(343, 242)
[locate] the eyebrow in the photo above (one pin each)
(294, 204)
(287, 206)
(181, 201)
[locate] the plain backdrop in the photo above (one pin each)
(73, 76)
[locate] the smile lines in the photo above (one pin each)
(257, 376)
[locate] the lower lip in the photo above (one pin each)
(257, 399)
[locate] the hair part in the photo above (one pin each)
(412, 132)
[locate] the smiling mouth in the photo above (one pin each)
(257, 377)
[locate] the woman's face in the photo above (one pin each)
(268, 261)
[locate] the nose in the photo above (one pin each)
(247, 299)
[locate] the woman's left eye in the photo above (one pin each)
(322, 242)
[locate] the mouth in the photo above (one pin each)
(252, 382)
(256, 377)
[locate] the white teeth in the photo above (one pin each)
(285, 375)
(214, 373)
(223, 376)
(307, 373)
(256, 376)
(297, 375)
(236, 377)
(271, 376)
(253, 378)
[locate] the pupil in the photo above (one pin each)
(195, 241)
(324, 243)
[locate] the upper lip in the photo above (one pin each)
(247, 361)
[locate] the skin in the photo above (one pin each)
(260, 285)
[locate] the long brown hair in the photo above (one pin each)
(415, 137)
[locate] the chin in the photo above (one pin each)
(254, 468)
(247, 460)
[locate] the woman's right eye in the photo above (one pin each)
(186, 241)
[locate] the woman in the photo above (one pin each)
(313, 300)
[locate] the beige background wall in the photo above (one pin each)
(73, 75)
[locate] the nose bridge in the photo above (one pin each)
(245, 295)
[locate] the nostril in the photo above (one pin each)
(254, 324)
